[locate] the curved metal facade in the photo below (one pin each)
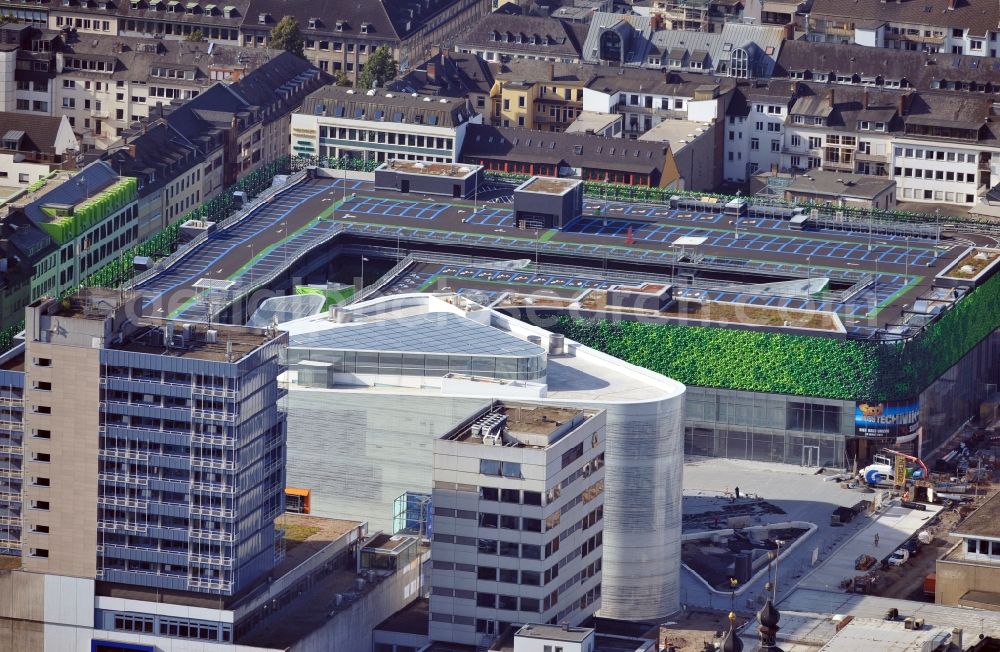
(644, 462)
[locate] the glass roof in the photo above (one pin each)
(431, 333)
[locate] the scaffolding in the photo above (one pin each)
(412, 514)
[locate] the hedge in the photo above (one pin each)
(853, 370)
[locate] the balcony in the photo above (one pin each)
(214, 415)
(11, 401)
(122, 526)
(916, 38)
(123, 502)
(122, 478)
(214, 512)
(202, 390)
(212, 488)
(121, 454)
(204, 463)
(210, 560)
(212, 535)
(10, 521)
(221, 586)
(870, 158)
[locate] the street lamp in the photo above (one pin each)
(363, 259)
(737, 214)
(777, 556)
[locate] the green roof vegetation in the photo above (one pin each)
(779, 363)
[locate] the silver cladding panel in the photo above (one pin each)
(357, 452)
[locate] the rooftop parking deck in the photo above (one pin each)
(888, 268)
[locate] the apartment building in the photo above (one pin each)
(185, 154)
(103, 91)
(341, 35)
(67, 229)
(947, 26)
(503, 37)
(335, 122)
(518, 520)
(537, 95)
(697, 15)
(968, 575)
(31, 148)
(579, 155)
(11, 455)
(646, 97)
(449, 74)
(755, 129)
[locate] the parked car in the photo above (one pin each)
(900, 557)
(912, 546)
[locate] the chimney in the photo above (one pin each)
(131, 150)
(903, 104)
(432, 72)
(830, 98)
(956, 634)
(552, 71)
(951, 5)
(795, 89)
(866, 98)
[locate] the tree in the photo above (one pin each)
(379, 68)
(286, 36)
(196, 35)
(341, 78)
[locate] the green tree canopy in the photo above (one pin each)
(196, 35)
(379, 68)
(286, 36)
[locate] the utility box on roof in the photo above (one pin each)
(459, 181)
(547, 202)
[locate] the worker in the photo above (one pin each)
(876, 540)
(737, 493)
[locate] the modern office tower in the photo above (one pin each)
(518, 519)
(374, 386)
(11, 454)
(153, 452)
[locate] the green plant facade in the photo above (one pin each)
(92, 211)
(779, 363)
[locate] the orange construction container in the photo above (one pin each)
(297, 500)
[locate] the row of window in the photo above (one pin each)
(935, 155)
(936, 175)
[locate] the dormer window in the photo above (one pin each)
(313, 23)
(537, 40)
(67, 3)
(494, 36)
(262, 18)
(366, 28)
(229, 12)
(340, 26)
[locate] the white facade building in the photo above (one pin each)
(518, 516)
(336, 122)
(345, 446)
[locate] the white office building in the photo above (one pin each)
(374, 387)
(335, 122)
(518, 517)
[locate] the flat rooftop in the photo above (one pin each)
(556, 633)
(884, 636)
(985, 521)
(543, 420)
(877, 272)
(455, 171)
(549, 185)
(675, 131)
(232, 343)
(412, 619)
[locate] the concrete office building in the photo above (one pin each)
(171, 437)
(372, 388)
(518, 517)
(152, 469)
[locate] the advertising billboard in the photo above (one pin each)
(886, 419)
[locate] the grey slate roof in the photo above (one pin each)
(635, 31)
(88, 182)
(334, 101)
(557, 38)
(428, 333)
(39, 132)
(978, 16)
(578, 150)
(456, 74)
(912, 69)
